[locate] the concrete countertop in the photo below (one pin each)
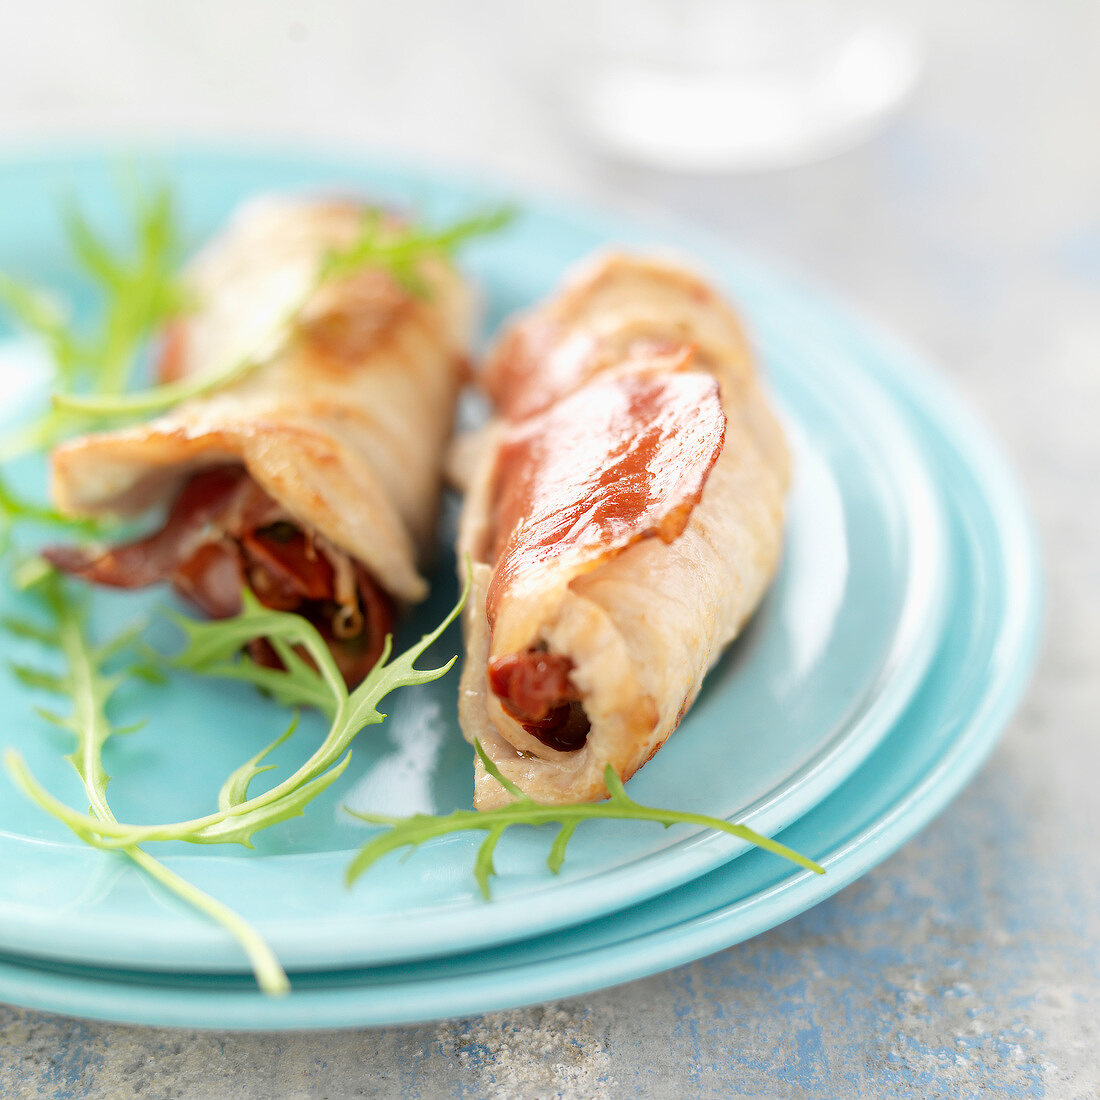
(967, 964)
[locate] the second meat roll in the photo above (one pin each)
(624, 517)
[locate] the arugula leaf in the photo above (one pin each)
(207, 653)
(138, 288)
(13, 506)
(166, 394)
(91, 688)
(411, 832)
(400, 251)
(41, 314)
(235, 789)
(138, 291)
(15, 510)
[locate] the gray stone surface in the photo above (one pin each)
(969, 963)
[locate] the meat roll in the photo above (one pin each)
(623, 517)
(314, 479)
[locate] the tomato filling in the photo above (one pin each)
(224, 533)
(535, 688)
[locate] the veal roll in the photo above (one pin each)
(314, 479)
(624, 516)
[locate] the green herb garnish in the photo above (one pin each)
(90, 687)
(213, 649)
(400, 250)
(138, 290)
(16, 509)
(411, 832)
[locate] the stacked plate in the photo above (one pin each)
(867, 690)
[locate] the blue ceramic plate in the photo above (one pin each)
(824, 671)
(978, 674)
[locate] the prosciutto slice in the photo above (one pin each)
(624, 515)
(314, 480)
(224, 533)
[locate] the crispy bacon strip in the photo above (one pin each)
(224, 532)
(622, 459)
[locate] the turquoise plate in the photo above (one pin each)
(978, 674)
(824, 671)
